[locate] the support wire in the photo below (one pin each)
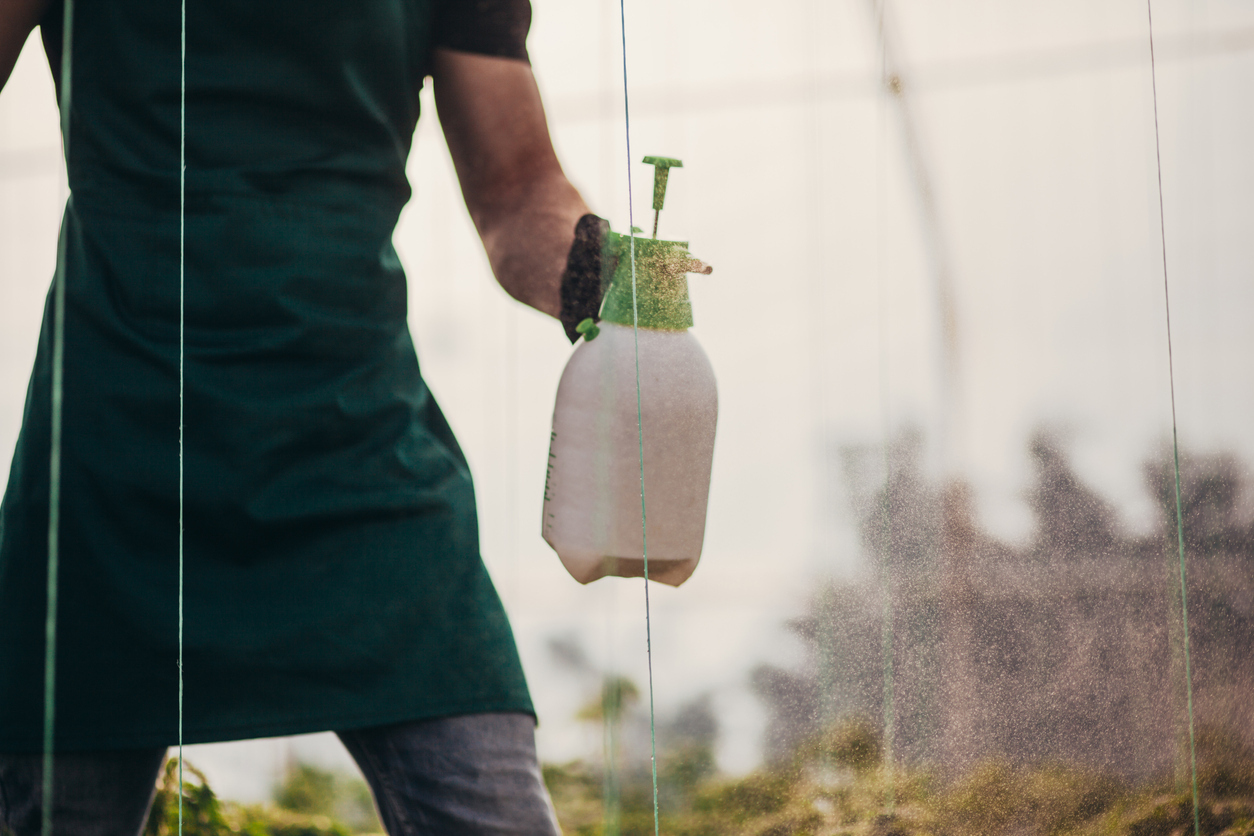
(887, 642)
(54, 441)
(1175, 439)
(182, 343)
(635, 331)
(814, 176)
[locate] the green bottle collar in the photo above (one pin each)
(662, 269)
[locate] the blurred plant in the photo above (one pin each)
(685, 767)
(998, 798)
(800, 796)
(618, 695)
(854, 744)
(1226, 764)
(835, 785)
(312, 791)
(310, 803)
(202, 812)
(257, 820)
(307, 789)
(1066, 648)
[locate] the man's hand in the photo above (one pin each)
(17, 19)
(522, 204)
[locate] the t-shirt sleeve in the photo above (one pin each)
(486, 27)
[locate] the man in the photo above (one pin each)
(332, 574)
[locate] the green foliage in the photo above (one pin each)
(265, 820)
(739, 801)
(307, 790)
(1226, 765)
(998, 798)
(576, 790)
(1172, 815)
(618, 693)
(854, 744)
(685, 767)
(202, 812)
(836, 785)
(310, 803)
(311, 791)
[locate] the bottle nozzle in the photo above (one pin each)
(661, 171)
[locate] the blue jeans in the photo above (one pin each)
(472, 774)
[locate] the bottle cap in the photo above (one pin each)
(662, 269)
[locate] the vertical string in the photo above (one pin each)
(612, 797)
(54, 442)
(815, 180)
(182, 343)
(889, 707)
(635, 332)
(1175, 440)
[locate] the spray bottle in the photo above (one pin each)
(601, 421)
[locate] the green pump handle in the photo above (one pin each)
(661, 172)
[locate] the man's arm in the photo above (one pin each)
(17, 19)
(522, 204)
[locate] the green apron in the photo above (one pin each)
(333, 578)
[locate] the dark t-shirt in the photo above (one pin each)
(487, 27)
(332, 568)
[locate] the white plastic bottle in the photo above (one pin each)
(592, 497)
